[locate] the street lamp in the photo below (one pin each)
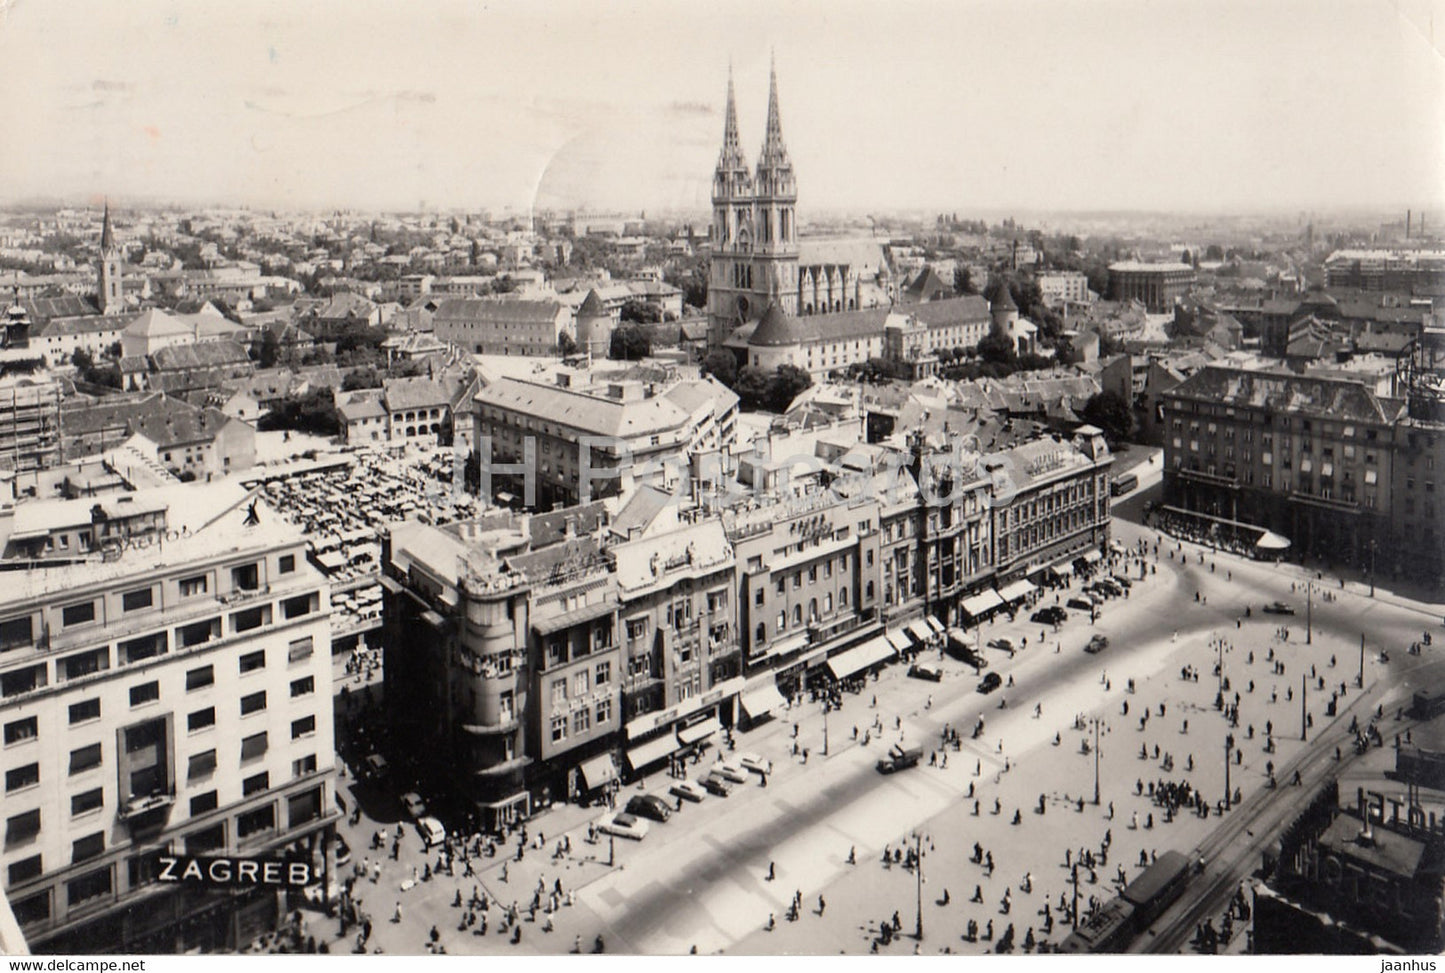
(1228, 750)
(918, 860)
(825, 726)
(1360, 679)
(1074, 910)
(1096, 721)
(1309, 612)
(1372, 567)
(1304, 716)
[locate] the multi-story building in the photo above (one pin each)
(502, 326)
(955, 531)
(1340, 471)
(1418, 271)
(1063, 286)
(1157, 285)
(1050, 503)
(626, 431)
(166, 699)
(29, 422)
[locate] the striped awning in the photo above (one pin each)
(984, 601)
(898, 639)
(599, 770)
(920, 630)
(761, 700)
(1017, 590)
(860, 657)
(652, 751)
(934, 624)
(699, 731)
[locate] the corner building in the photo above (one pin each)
(171, 696)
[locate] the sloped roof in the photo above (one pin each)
(492, 310)
(592, 304)
(360, 405)
(155, 323)
(65, 305)
(206, 354)
(85, 324)
(414, 393)
(862, 254)
(580, 411)
(1285, 392)
(549, 528)
(775, 329)
(926, 285)
(640, 510)
(967, 309)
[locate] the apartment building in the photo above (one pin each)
(171, 697)
(29, 422)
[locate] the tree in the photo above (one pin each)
(630, 342)
(640, 312)
(1213, 252)
(785, 385)
(365, 377)
(963, 280)
(1111, 413)
(566, 345)
(752, 387)
(996, 347)
(270, 349)
(722, 365)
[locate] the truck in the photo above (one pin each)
(899, 758)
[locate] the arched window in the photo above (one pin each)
(843, 598)
(827, 603)
(782, 621)
(797, 614)
(812, 609)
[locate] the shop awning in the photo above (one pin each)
(761, 701)
(1272, 542)
(860, 657)
(982, 602)
(699, 731)
(934, 624)
(898, 639)
(1092, 556)
(599, 771)
(1017, 590)
(1117, 547)
(652, 751)
(1063, 569)
(920, 630)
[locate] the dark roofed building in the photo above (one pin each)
(502, 326)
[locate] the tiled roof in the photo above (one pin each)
(968, 309)
(1284, 392)
(482, 310)
(576, 410)
(154, 322)
(85, 324)
(549, 528)
(64, 306)
(775, 328)
(858, 254)
(361, 405)
(414, 393)
(205, 354)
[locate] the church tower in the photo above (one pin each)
(730, 274)
(111, 298)
(775, 201)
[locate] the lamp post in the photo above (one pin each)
(1309, 612)
(1372, 567)
(918, 860)
(1304, 715)
(1360, 679)
(1074, 909)
(1228, 751)
(826, 704)
(1096, 722)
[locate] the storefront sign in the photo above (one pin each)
(652, 721)
(227, 871)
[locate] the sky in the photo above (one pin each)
(950, 105)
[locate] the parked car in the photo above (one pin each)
(1279, 608)
(623, 825)
(1052, 615)
(715, 785)
(414, 806)
(1097, 644)
(756, 762)
(989, 683)
(1081, 603)
(922, 670)
(1119, 579)
(1106, 587)
(730, 771)
(1004, 644)
(900, 758)
(649, 806)
(375, 766)
(431, 831)
(688, 790)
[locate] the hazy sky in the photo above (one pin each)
(969, 104)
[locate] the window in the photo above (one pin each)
(93, 886)
(147, 692)
(582, 721)
(21, 730)
(22, 777)
(204, 803)
(559, 692)
(303, 807)
(190, 587)
(88, 801)
(207, 839)
(296, 607)
(138, 650)
(253, 703)
(77, 614)
(253, 748)
(304, 727)
(85, 711)
(15, 633)
(247, 577)
(22, 680)
(85, 663)
(201, 719)
(782, 621)
(559, 728)
(299, 649)
(252, 661)
(797, 614)
(21, 828)
(246, 621)
(200, 678)
(580, 683)
(198, 633)
(286, 564)
(136, 600)
(759, 597)
(201, 765)
(84, 758)
(604, 711)
(303, 766)
(603, 674)
(258, 821)
(303, 687)
(91, 846)
(24, 870)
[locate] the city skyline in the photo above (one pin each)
(973, 107)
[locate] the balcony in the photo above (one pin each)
(137, 806)
(1327, 503)
(494, 729)
(1211, 478)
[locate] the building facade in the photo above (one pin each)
(173, 698)
(1157, 285)
(502, 326)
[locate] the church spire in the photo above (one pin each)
(107, 239)
(730, 125)
(775, 153)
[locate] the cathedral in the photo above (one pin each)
(757, 260)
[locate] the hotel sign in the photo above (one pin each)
(218, 871)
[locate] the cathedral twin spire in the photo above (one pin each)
(774, 169)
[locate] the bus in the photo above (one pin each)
(1123, 484)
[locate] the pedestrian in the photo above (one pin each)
(821, 905)
(396, 915)
(772, 871)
